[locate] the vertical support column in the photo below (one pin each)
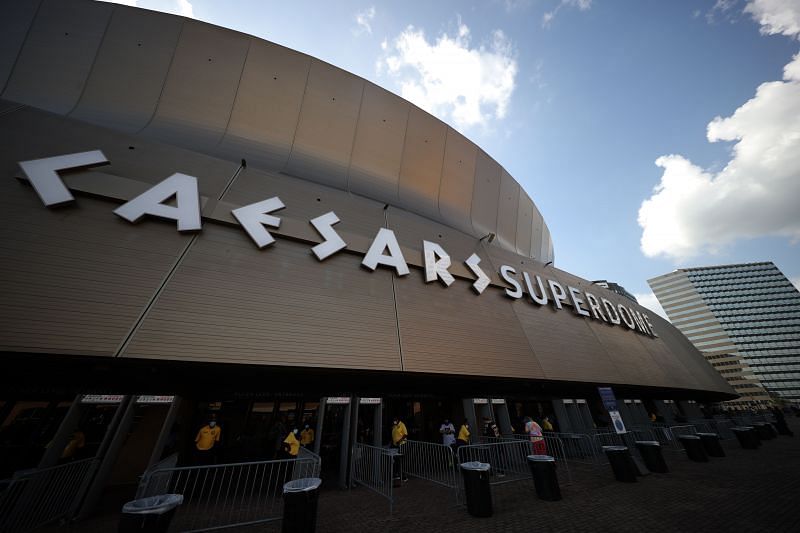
(166, 429)
(586, 421)
(344, 447)
(666, 411)
(564, 423)
(469, 413)
(109, 449)
(320, 418)
(503, 418)
(70, 423)
(377, 424)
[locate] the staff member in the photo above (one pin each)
(205, 440)
(291, 446)
(399, 433)
(306, 436)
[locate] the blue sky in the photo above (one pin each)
(578, 99)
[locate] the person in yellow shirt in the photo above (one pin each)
(463, 434)
(291, 446)
(306, 436)
(205, 440)
(399, 433)
(74, 446)
(546, 424)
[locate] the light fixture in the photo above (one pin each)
(547, 264)
(489, 236)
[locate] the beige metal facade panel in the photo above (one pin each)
(324, 139)
(537, 235)
(14, 24)
(58, 54)
(75, 279)
(31, 134)
(125, 83)
(565, 345)
(421, 170)
(508, 211)
(485, 194)
(306, 200)
(230, 302)
(455, 331)
(201, 85)
(458, 181)
(264, 117)
(624, 348)
(524, 224)
(378, 146)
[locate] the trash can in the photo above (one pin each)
(300, 505)
(712, 444)
(764, 430)
(149, 515)
(543, 470)
(619, 457)
(694, 448)
(650, 450)
(477, 488)
(746, 437)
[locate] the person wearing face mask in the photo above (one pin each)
(206, 439)
(306, 436)
(291, 445)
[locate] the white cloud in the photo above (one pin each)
(465, 85)
(695, 210)
(649, 300)
(185, 8)
(363, 19)
(582, 5)
(776, 16)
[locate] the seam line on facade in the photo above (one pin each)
(236, 96)
(394, 301)
(94, 62)
(299, 115)
(22, 46)
(164, 82)
(124, 345)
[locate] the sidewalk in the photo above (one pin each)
(748, 491)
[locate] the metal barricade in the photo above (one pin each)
(508, 458)
(33, 498)
(677, 432)
(146, 489)
(703, 425)
(373, 468)
(227, 495)
(577, 447)
(429, 461)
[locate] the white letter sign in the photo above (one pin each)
(151, 202)
(436, 263)
(375, 256)
(483, 280)
(254, 217)
(332, 243)
(42, 173)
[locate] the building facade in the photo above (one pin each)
(197, 222)
(615, 288)
(745, 319)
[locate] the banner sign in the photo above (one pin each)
(480, 401)
(369, 401)
(102, 398)
(616, 421)
(608, 398)
(497, 401)
(338, 400)
(154, 399)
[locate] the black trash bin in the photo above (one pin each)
(755, 435)
(712, 444)
(149, 515)
(765, 431)
(543, 470)
(650, 450)
(477, 488)
(619, 457)
(694, 448)
(746, 437)
(300, 505)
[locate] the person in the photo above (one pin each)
(546, 424)
(307, 436)
(490, 429)
(448, 432)
(204, 442)
(399, 433)
(291, 445)
(399, 437)
(653, 417)
(534, 431)
(76, 443)
(463, 434)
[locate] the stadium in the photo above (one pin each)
(199, 223)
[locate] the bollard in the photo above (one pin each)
(650, 450)
(543, 470)
(712, 444)
(619, 457)
(694, 448)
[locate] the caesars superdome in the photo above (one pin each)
(191, 210)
